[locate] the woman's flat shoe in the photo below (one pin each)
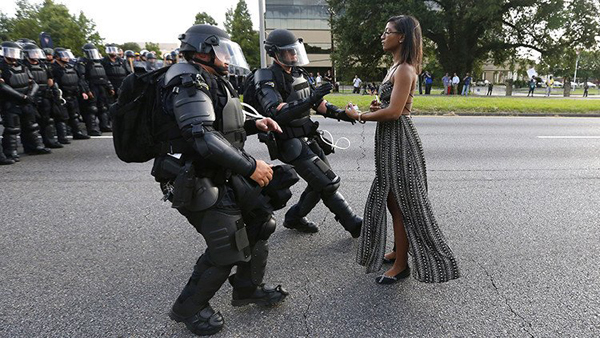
(383, 279)
(388, 260)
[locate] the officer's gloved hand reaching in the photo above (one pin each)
(318, 94)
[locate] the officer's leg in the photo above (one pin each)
(61, 116)
(73, 109)
(3, 159)
(30, 132)
(89, 112)
(47, 127)
(102, 105)
(227, 243)
(247, 282)
(320, 177)
(12, 128)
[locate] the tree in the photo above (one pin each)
(465, 32)
(67, 30)
(204, 18)
(239, 26)
(130, 46)
(153, 47)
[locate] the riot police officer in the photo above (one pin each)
(73, 87)
(129, 61)
(42, 75)
(284, 93)
(100, 90)
(114, 66)
(207, 126)
(151, 63)
(17, 90)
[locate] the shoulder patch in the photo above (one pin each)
(270, 83)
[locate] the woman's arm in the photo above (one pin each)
(404, 78)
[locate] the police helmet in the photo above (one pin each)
(33, 52)
(129, 53)
(91, 52)
(48, 51)
(12, 50)
(111, 49)
(283, 45)
(209, 39)
(62, 53)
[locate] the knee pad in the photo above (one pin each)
(290, 149)
(316, 173)
(331, 189)
(12, 130)
(267, 229)
(226, 238)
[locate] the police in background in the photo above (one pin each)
(100, 91)
(284, 93)
(42, 75)
(17, 90)
(151, 63)
(129, 60)
(209, 128)
(73, 87)
(49, 52)
(168, 60)
(114, 66)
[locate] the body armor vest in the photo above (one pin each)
(95, 73)
(231, 121)
(69, 81)
(40, 76)
(300, 89)
(18, 78)
(115, 70)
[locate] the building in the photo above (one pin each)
(309, 20)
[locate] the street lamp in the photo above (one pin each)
(576, 65)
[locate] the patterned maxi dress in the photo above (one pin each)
(400, 169)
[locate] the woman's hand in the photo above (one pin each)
(351, 112)
(375, 106)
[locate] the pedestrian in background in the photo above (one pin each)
(490, 86)
(319, 79)
(446, 81)
(466, 84)
(586, 87)
(428, 83)
(455, 81)
(532, 84)
(356, 84)
(549, 84)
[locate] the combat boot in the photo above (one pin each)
(205, 322)
(61, 133)
(263, 295)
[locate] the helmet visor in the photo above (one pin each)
(112, 50)
(12, 52)
(35, 53)
(292, 55)
(93, 54)
(231, 53)
(65, 54)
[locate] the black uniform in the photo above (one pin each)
(72, 85)
(115, 71)
(204, 122)
(96, 107)
(18, 114)
(301, 145)
(44, 103)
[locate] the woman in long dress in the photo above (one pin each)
(401, 180)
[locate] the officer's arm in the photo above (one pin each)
(195, 116)
(80, 69)
(9, 91)
(270, 99)
(333, 112)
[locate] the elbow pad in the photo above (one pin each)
(266, 93)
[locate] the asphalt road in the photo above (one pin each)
(87, 249)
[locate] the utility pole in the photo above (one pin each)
(261, 33)
(576, 65)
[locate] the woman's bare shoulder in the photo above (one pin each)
(404, 71)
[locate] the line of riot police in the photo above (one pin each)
(46, 93)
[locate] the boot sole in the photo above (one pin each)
(300, 229)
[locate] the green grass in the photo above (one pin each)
(473, 104)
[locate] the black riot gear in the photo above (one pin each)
(72, 86)
(299, 145)
(96, 107)
(204, 171)
(115, 69)
(283, 46)
(17, 90)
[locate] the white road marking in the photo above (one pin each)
(101, 136)
(571, 137)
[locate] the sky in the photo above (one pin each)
(145, 21)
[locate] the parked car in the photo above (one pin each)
(557, 84)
